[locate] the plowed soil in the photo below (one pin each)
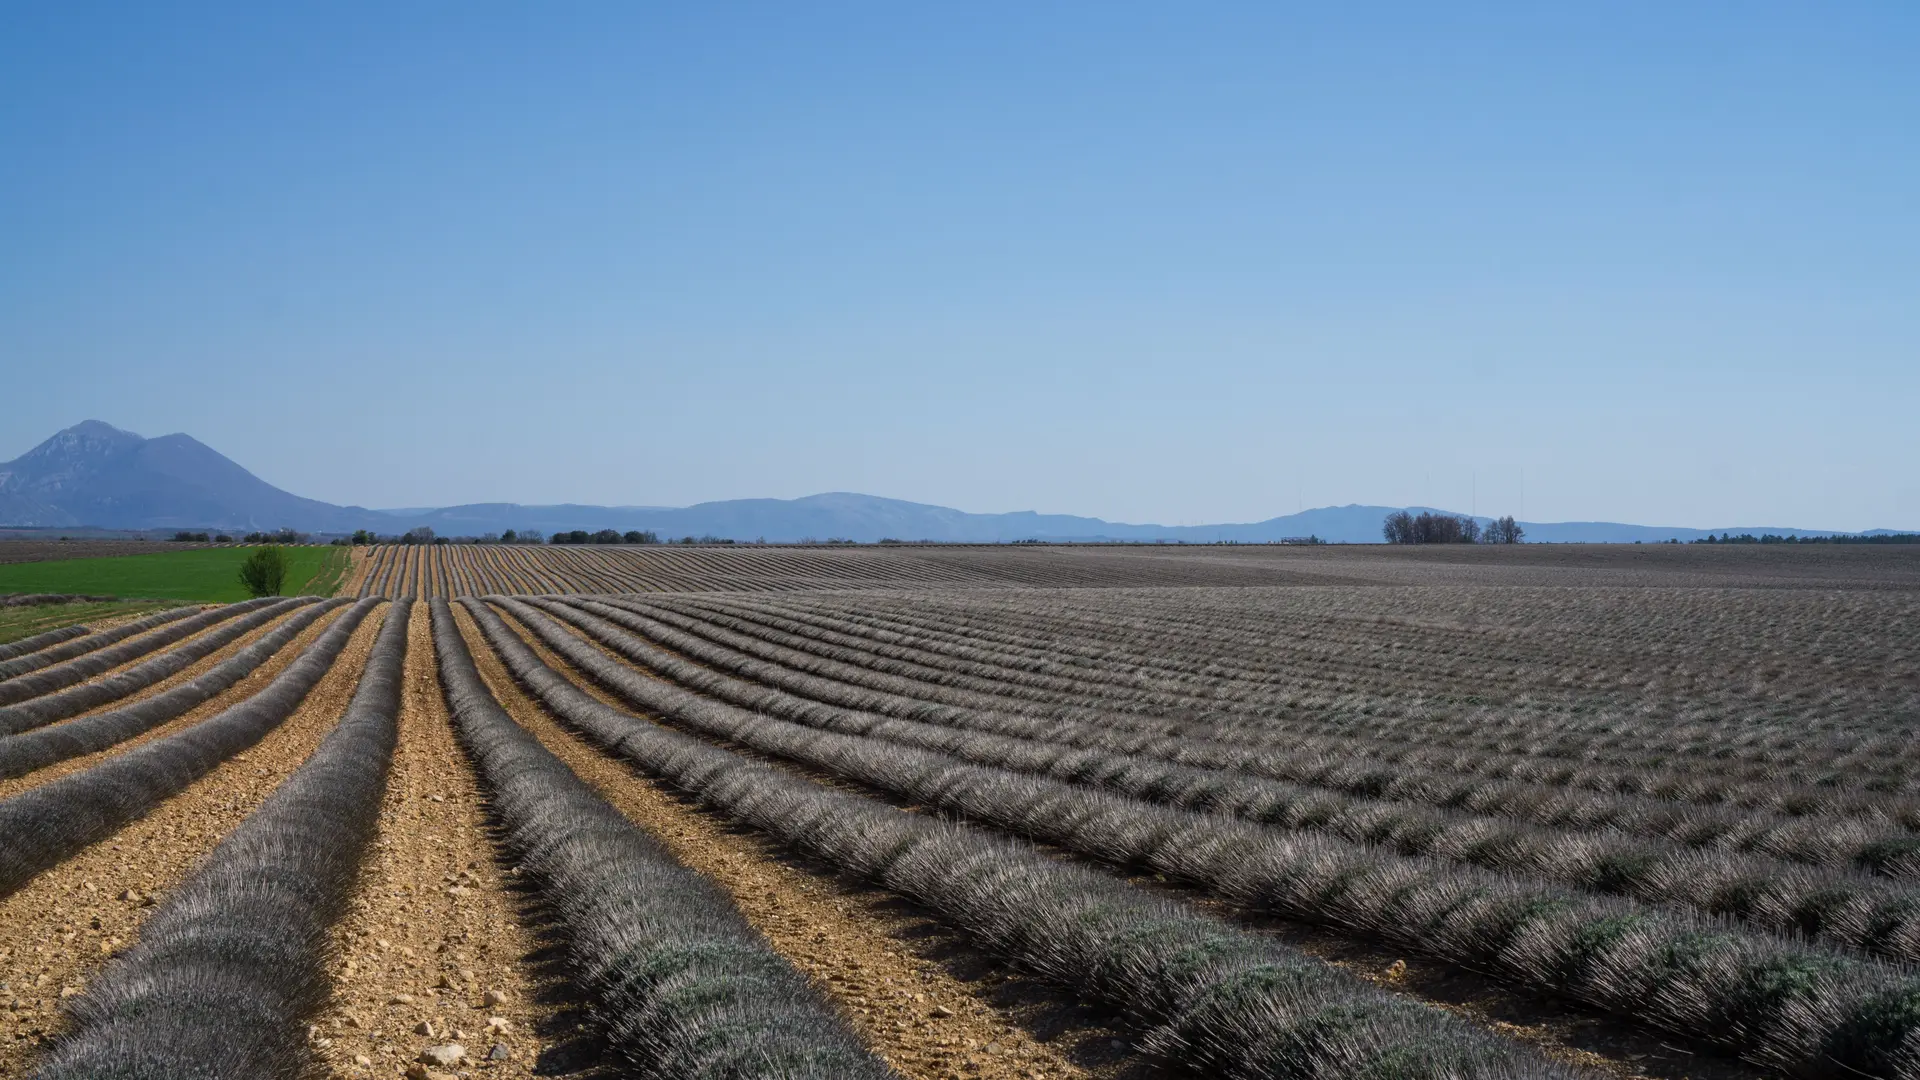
(432, 928)
(356, 574)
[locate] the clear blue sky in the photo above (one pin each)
(1658, 262)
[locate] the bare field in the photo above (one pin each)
(1117, 812)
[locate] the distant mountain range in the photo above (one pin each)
(94, 474)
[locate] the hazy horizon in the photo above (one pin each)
(1650, 264)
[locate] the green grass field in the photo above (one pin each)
(209, 574)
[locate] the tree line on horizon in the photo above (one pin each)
(1401, 527)
(424, 534)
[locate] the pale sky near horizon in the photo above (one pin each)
(1647, 262)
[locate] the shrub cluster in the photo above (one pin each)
(230, 967)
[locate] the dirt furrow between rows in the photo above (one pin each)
(240, 691)
(56, 931)
(893, 973)
(432, 949)
(357, 570)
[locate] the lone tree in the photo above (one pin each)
(264, 571)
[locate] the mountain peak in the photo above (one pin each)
(96, 474)
(98, 429)
(82, 446)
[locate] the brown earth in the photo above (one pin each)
(58, 929)
(356, 574)
(879, 960)
(432, 927)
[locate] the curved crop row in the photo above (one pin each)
(230, 967)
(1219, 1000)
(13, 669)
(47, 708)
(41, 641)
(1812, 1013)
(42, 826)
(683, 986)
(22, 754)
(1848, 910)
(1330, 764)
(60, 676)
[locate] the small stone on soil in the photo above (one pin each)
(446, 1056)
